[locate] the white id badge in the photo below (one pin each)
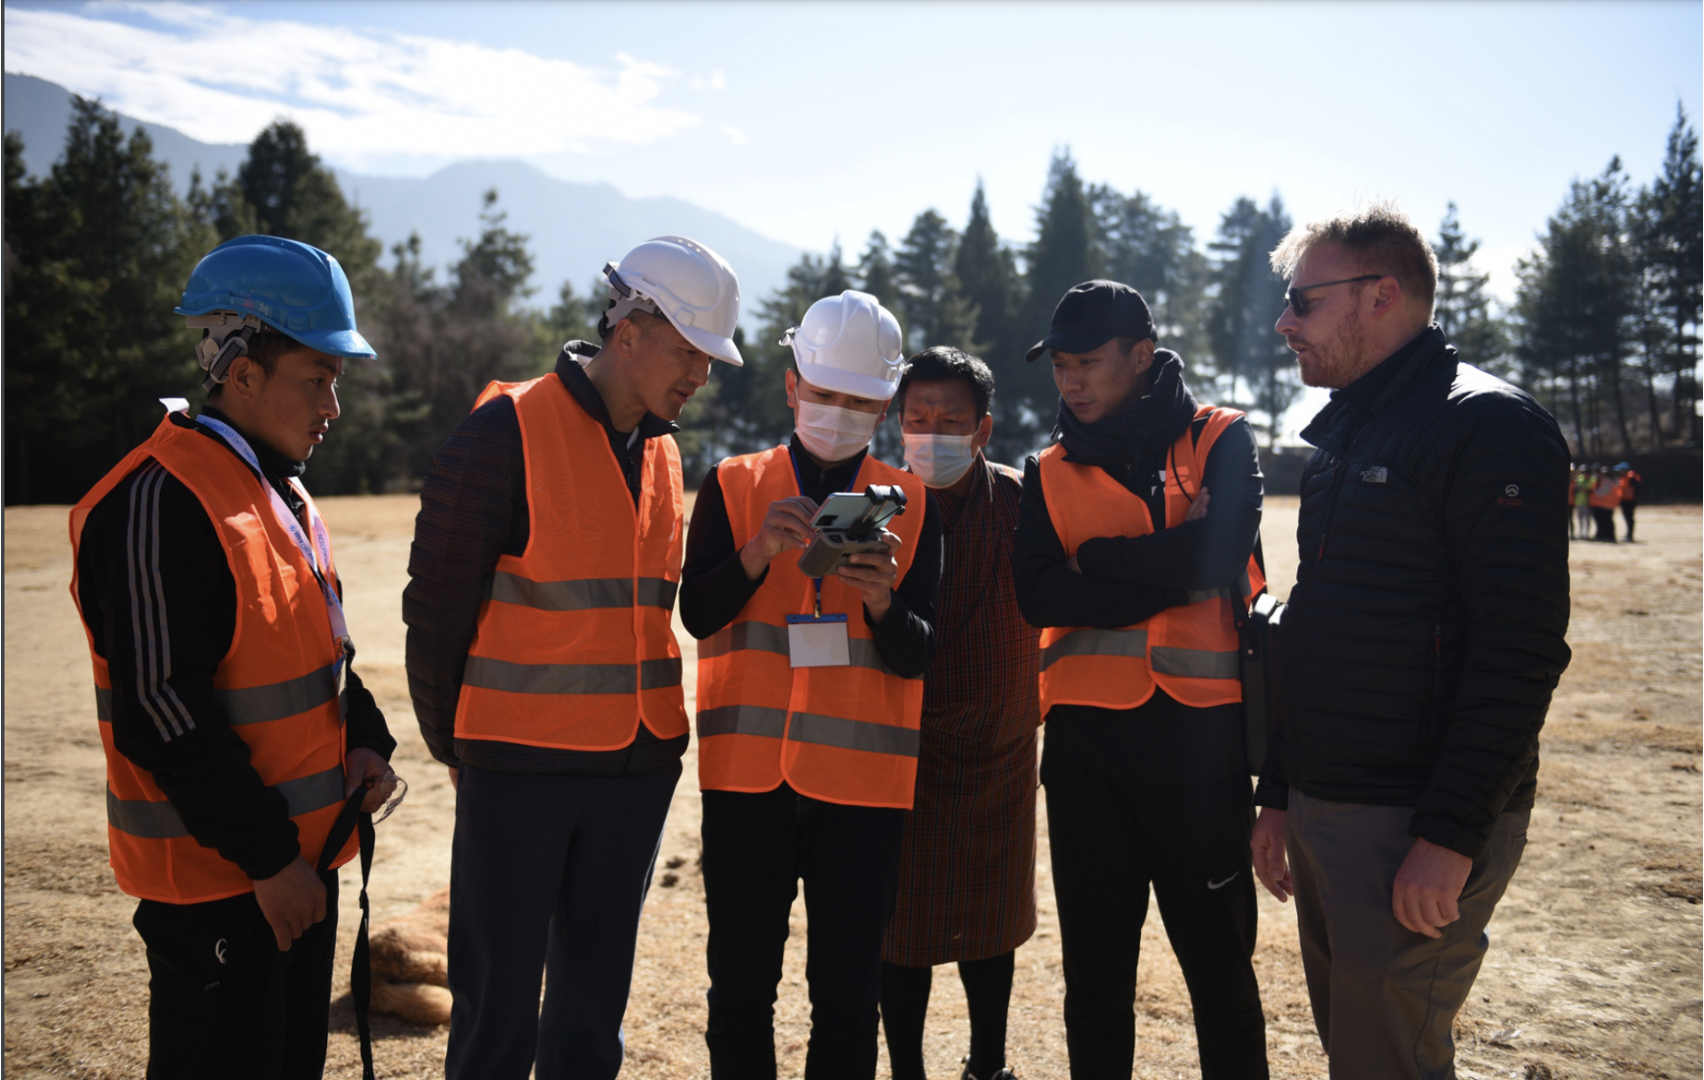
(818, 641)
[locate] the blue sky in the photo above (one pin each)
(812, 122)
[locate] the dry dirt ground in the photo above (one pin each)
(1594, 969)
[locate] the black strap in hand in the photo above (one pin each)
(351, 819)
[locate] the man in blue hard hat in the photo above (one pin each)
(235, 730)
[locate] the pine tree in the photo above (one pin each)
(1673, 251)
(1249, 296)
(97, 255)
(1575, 304)
(988, 280)
(1462, 307)
(282, 189)
(1153, 251)
(1064, 253)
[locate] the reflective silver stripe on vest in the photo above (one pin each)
(657, 592)
(763, 637)
(657, 674)
(490, 674)
(159, 821)
(1096, 643)
(1195, 663)
(742, 720)
(766, 637)
(582, 595)
(259, 704)
(854, 734)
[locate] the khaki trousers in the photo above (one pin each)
(1384, 998)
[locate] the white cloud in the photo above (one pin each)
(363, 97)
(734, 134)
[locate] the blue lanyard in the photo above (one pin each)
(800, 482)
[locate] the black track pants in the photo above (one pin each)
(223, 1001)
(1111, 840)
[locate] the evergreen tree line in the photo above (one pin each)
(1604, 328)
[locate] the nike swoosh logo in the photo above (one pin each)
(1221, 884)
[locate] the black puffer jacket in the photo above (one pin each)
(1425, 631)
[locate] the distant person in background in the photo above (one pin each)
(1579, 495)
(967, 868)
(544, 668)
(1422, 643)
(1629, 484)
(1605, 497)
(205, 580)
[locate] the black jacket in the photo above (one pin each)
(1425, 632)
(202, 766)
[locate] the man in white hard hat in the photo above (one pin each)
(544, 671)
(807, 771)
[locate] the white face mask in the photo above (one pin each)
(834, 434)
(939, 460)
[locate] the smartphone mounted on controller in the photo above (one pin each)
(850, 523)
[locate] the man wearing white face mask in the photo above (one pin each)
(967, 869)
(807, 771)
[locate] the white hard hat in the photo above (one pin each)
(687, 283)
(849, 344)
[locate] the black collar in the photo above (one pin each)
(813, 477)
(1374, 391)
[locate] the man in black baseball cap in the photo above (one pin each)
(1134, 583)
(1093, 313)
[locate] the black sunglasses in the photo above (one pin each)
(1301, 306)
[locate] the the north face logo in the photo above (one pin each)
(1376, 474)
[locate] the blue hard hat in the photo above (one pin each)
(293, 287)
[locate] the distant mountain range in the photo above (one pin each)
(574, 228)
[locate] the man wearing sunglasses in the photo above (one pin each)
(1423, 640)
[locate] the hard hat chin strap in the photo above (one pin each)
(224, 338)
(623, 307)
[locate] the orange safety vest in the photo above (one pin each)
(841, 734)
(279, 682)
(1189, 651)
(575, 645)
(1606, 493)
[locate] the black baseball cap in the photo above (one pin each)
(1093, 313)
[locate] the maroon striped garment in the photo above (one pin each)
(967, 870)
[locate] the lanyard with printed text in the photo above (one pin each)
(317, 553)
